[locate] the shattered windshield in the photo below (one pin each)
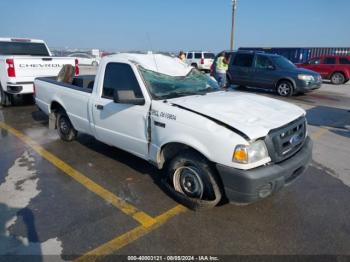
(165, 87)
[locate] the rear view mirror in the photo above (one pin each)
(127, 97)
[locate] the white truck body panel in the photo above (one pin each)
(253, 115)
(127, 126)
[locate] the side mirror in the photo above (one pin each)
(127, 97)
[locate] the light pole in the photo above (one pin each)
(234, 7)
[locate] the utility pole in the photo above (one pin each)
(234, 7)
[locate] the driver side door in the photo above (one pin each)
(119, 124)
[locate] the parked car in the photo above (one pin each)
(177, 118)
(86, 59)
(270, 71)
(200, 60)
(22, 60)
(334, 68)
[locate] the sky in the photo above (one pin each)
(165, 25)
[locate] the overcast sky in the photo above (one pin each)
(177, 25)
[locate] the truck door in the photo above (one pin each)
(241, 69)
(121, 125)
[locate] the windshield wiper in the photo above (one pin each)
(180, 94)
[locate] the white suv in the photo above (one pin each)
(200, 60)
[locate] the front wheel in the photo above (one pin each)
(338, 79)
(285, 88)
(192, 181)
(65, 128)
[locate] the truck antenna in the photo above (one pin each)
(154, 56)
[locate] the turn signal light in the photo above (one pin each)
(240, 155)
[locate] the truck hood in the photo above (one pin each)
(252, 115)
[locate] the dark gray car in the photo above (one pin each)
(272, 72)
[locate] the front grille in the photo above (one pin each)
(285, 141)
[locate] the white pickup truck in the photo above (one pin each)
(21, 61)
(212, 143)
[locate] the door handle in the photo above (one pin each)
(99, 107)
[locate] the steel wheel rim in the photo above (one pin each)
(64, 125)
(187, 181)
(283, 89)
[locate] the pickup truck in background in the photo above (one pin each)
(334, 68)
(21, 61)
(212, 143)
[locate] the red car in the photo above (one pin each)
(334, 68)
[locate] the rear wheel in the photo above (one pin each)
(194, 65)
(5, 98)
(338, 79)
(192, 181)
(285, 88)
(65, 128)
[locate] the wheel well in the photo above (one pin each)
(55, 107)
(170, 150)
(285, 79)
(340, 72)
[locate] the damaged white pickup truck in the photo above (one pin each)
(214, 144)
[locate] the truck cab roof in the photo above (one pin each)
(155, 62)
(17, 39)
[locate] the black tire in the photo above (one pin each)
(192, 182)
(285, 88)
(338, 78)
(5, 98)
(194, 65)
(65, 128)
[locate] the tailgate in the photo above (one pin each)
(40, 66)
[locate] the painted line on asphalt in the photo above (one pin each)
(129, 237)
(144, 219)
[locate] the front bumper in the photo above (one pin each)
(303, 86)
(247, 186)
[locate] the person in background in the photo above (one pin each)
(182, 56)
(221, 68)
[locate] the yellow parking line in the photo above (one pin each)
(145, 220)
(129, 237)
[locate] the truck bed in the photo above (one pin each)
(74, 98)
(84, 83)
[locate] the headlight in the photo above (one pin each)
(306, 78)
(249, 154)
